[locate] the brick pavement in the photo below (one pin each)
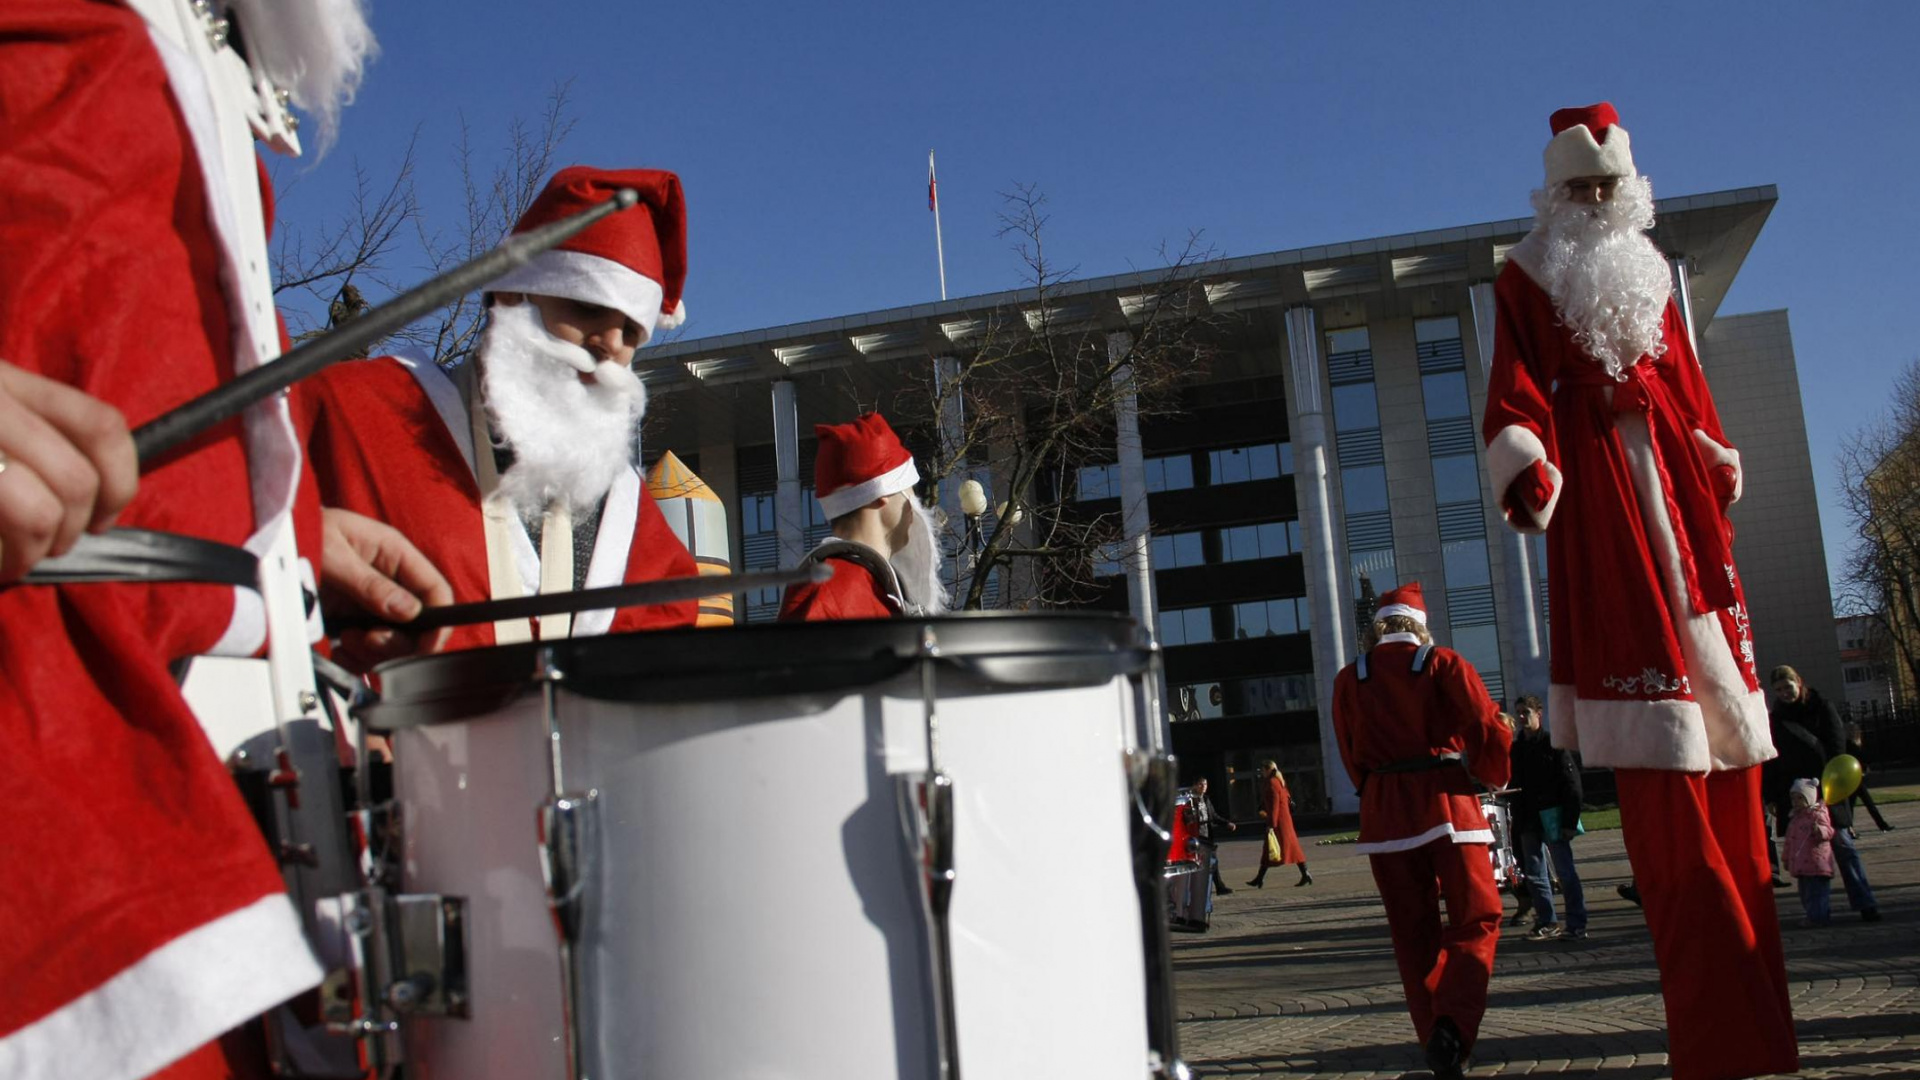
(1300, 982)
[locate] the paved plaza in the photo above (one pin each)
(1300, 982)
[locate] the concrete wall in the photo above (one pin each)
(1783, 562)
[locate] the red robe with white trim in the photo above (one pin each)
(1652, 660)
(129, 853)
(851, 593)
(389, 442)
(1399, 714)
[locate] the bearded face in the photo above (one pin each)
(315, 49)
(918, 563)
(1608, 282)
(568, 420)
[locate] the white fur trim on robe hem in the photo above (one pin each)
(1716, 454)
(176, 999)
(1408, 843)
(846, 500)
(1510, 453)
(1669, 734)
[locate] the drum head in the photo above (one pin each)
(1003, 649)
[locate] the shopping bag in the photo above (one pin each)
(1274, 857)
(1550, 824)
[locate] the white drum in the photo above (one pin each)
(750, 904)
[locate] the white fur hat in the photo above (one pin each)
(1588, 141)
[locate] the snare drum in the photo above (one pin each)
(795, 936)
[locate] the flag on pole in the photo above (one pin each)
(933, 204)
(933, 192)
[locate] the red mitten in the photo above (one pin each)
(1726, 480)
(1529, 492)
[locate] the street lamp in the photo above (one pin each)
(973, 503)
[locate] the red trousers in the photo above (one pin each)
(1444, 970)
(1699, 854)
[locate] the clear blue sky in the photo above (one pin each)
(801, 133)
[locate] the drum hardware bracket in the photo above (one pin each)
(926, 818)
(568, 842)
(1153, 778)
(407, 958)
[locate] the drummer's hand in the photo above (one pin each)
(368, 566)
(67, 465)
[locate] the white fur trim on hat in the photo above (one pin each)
(1575, 153)
(576, 275)
(670, 320)
(1408, 610)
(1508, 455)
(846, 500)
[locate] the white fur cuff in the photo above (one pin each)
(854, 496)
(1509, 454)
(1716, 454)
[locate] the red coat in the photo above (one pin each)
(1277, 805)
(1652, 661)
(1399, 714)
(851, 593)
(141, 912)
(390, 439)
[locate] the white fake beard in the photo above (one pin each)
(314, 49)
(570, 438)
(918, 564)
(1608, 282)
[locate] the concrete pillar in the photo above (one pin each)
(1683, 296)
(1520, 614)
(1326, 579)
(1134, 521)
(789, 513)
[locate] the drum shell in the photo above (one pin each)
(752, 907)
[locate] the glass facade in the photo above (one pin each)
(1371, 569)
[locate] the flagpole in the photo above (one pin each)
(933, 203)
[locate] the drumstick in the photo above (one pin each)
(643, 594)
(157, 436)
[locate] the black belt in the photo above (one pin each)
(1413, 765)
(142, 555)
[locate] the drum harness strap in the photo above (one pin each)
(835, 548)
(1426, 763)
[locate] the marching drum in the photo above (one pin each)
(866, 897)
(1507, 873)
(1189, 884)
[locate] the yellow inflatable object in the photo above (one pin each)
(1840, 779)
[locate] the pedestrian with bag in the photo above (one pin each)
(1283, 845)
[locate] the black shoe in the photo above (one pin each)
(1872, 914)
(1445, 1053)
(1628, 892)
(1516, 917)
(1574, 935)
(1305, 879)
(1780, 880)
(1221, 890)
(1884, 827)
(1257, 883)
(1545, 931)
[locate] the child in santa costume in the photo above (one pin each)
(883, 553)
(1416, 729)
(514, 473)
(1601, 431)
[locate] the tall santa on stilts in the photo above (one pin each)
(1416, 730)
(1601, 431)
(515, 473)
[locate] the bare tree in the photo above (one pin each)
(1880, 488)
(392, 239)
(1032, 400)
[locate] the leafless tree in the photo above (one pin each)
(1880, 488)
(392, 238)
(1031, 399)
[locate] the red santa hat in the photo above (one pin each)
(1588, 141)
(1406, 600)
(858, 463)
(634, 261)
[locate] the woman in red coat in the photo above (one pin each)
(1277, 805)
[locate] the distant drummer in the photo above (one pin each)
(1416, 728)
(883, 552)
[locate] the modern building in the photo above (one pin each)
(1870, 690)
(1329, 452)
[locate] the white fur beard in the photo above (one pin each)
(570, 438)
(1608, 282)
(918, 564)
(315, 49)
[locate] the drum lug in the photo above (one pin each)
(1153, 780)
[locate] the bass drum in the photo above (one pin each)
(749, 899)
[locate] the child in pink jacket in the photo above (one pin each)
(1810, 852)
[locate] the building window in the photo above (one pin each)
(1171, 473)
(1446, 395)
(1174, 550)
(1355, 407)
(1365, 488)
(1465, 563)
(1456, 479)
(1099, 482)
(1186, 626)
(1244, 697)
(1269, 618)
(1270, 540)
(1239, 464)
(1372, 570)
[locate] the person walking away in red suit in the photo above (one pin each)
(884, 554)
(1416, 729)
(1602, 432)
(1277, 805)
(514, 472)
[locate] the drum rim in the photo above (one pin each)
(684, 665)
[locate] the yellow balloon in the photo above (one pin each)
(1840, 779)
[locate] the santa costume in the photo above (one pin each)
(402, 441)
(857, 463)
(143, 913)
(1416, 729)
(1601, 431)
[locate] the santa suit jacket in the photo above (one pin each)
(391, 439)
(1652, 662)
(1400, 715)
(141, 914)
(853, 592)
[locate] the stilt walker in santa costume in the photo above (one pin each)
(514, 473)
(883, 553)
(1416, 729)
(143, 915)
(1601, 431)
